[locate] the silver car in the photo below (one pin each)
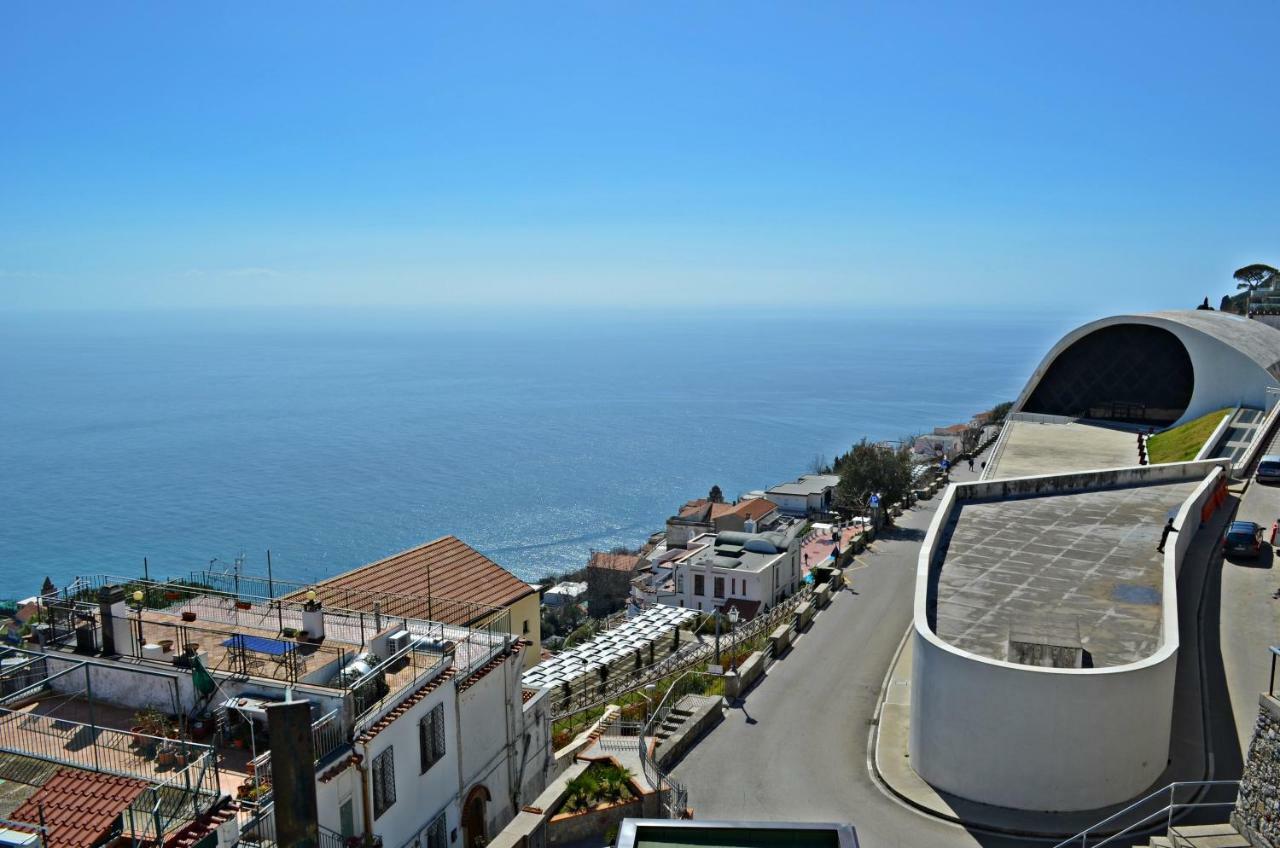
(1268, 469)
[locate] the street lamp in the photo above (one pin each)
(733, 624)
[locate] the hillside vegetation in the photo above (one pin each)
(1182, 443)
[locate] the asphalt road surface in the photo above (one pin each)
(796, 747)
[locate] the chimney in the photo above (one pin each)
(293, 774)
(313, 617)
(115, 621)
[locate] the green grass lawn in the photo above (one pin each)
(1184, 442)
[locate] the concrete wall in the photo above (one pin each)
(1040, 738)
(528, 610)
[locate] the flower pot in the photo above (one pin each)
(188, 616)
(139, 735)
(166, 645)
(165, 757)
(243, 605)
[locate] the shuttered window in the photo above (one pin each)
(431, 737)
(384, 781)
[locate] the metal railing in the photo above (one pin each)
(87, 746)
(326, 737)
(1168, 796)
(672, 795)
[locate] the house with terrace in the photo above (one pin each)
(304, 720)
(750, 571)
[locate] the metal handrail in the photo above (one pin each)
(653, 771)
(1082, 838)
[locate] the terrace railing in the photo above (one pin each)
(326, 737)
(103, 749)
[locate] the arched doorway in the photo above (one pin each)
(473, 817)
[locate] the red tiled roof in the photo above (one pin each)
(755, 509)
(614, 562)
(447, 568)
(79, 807)
(338, 768)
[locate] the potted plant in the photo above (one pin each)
(166, 645)
(188, 615)
(166, 756)
(243, 605)
(289, 632)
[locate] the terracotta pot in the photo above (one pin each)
(188, 616)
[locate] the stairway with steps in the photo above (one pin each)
(1200, 836)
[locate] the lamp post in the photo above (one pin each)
(733, 625)
(717, 615)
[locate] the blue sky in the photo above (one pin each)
(1104, 156)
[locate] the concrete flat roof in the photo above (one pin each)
(1085, 560)
(1032, 449)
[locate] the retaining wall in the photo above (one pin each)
(1255, 814)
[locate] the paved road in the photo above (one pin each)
(1250, 620)
(797, 747)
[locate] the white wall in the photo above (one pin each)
(790, 504)
(419, 797)
(1039, 738)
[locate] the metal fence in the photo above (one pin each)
(672, 795)
(139, 755)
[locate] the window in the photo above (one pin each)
(384, 781)
(431, 737)
(719, 587)
(699, 585)
(437, 833)
(733, 586)
(526, 627)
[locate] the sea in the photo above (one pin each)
(332, 438)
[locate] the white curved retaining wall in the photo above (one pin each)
(1040, 738)
(1224, 376)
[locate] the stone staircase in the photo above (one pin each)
(1200, 836)
(687, 720)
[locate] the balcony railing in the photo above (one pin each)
(47, 737)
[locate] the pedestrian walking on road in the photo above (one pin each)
(970, 464)
(1164, 535)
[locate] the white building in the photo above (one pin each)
(752, 571)
(807, 495)
(565, 594)
(422, 732)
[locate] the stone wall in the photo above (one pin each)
(1257, 812)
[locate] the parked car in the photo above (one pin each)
(1243, 538)
(1268, 469)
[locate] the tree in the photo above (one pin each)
(715, 495)
(999, 412)
(48, 589)
(819, 464)
(1225, 305)
(1254, 277)
(870, 468)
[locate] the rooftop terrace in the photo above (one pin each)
(1085, 560)
(1031, 447)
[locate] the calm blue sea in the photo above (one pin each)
(333, 439)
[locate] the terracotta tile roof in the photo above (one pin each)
(80, 807)
(405, 705)
(755, 509)
(614, 562)
(338, 768)
(447, 568)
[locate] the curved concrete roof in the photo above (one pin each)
(1235, 359)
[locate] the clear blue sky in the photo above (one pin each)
(1042, 154)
